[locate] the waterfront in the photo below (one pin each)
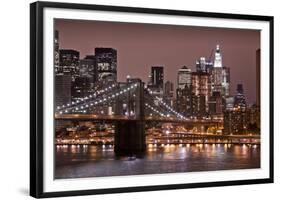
(80, 161)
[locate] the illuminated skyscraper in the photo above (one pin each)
(169, 92)
(215, 104)
(169, 89)
(87, 67)
(201, 65)
(106, 63)
(218, 58)
(184, 101)
(239, 99)
(254, 117)
(156, 81)
(258, 71)
(217, 72)
(225, 81)
(184, 91)
(157, 76)
(204, 65)
(229, 103)
(69, 61)
(62, 89)
(56, 52)
(81, 87)
(184, 77)
(220, 76)
(238, 118)
(201, 91)
(200, 83)
(235, 122)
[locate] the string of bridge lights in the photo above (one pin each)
(171, 109)
(167, 106)
(92, 96)
(156, 111)
(85, 105)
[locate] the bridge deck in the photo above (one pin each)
(114, 118)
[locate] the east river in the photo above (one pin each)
(79, 161)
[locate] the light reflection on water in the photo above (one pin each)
(77, 161)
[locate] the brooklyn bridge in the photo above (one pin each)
(130, 106)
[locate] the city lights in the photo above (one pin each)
(85, 102)
(100, 115)
(94, 95)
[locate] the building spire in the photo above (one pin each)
(218, 57)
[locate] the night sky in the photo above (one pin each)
(139, 46)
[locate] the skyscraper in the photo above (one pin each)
(69, 61)
(184, 101)
(204, 65)
(201, 83)
(169, 92)
(218, 58)
(81, 87)
(253, 113)
(229, 103)
(87, 67)
(225, 81)
(155, 83)
(201, 64)
(62, 89)
(157, 76)
(220, 75)
(201, 91)
(217, 80)
(56, 52)
(258, 71)
(184, 91)
(215, 104)
(169, 89)
(106, 63)
(184, 77)
(217, 72)
(235, 122)
(239, 99)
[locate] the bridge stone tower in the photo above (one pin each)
(129, 135)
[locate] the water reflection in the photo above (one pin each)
(75, 161)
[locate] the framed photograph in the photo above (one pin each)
(126, 99)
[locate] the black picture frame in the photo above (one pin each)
(36, 98)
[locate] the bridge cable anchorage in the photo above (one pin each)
(179, 115)
(92, 96)
(94, 102)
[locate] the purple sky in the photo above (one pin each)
(139, 46)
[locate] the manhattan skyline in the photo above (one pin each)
(141, 46)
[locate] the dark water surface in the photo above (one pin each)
(79, 161)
